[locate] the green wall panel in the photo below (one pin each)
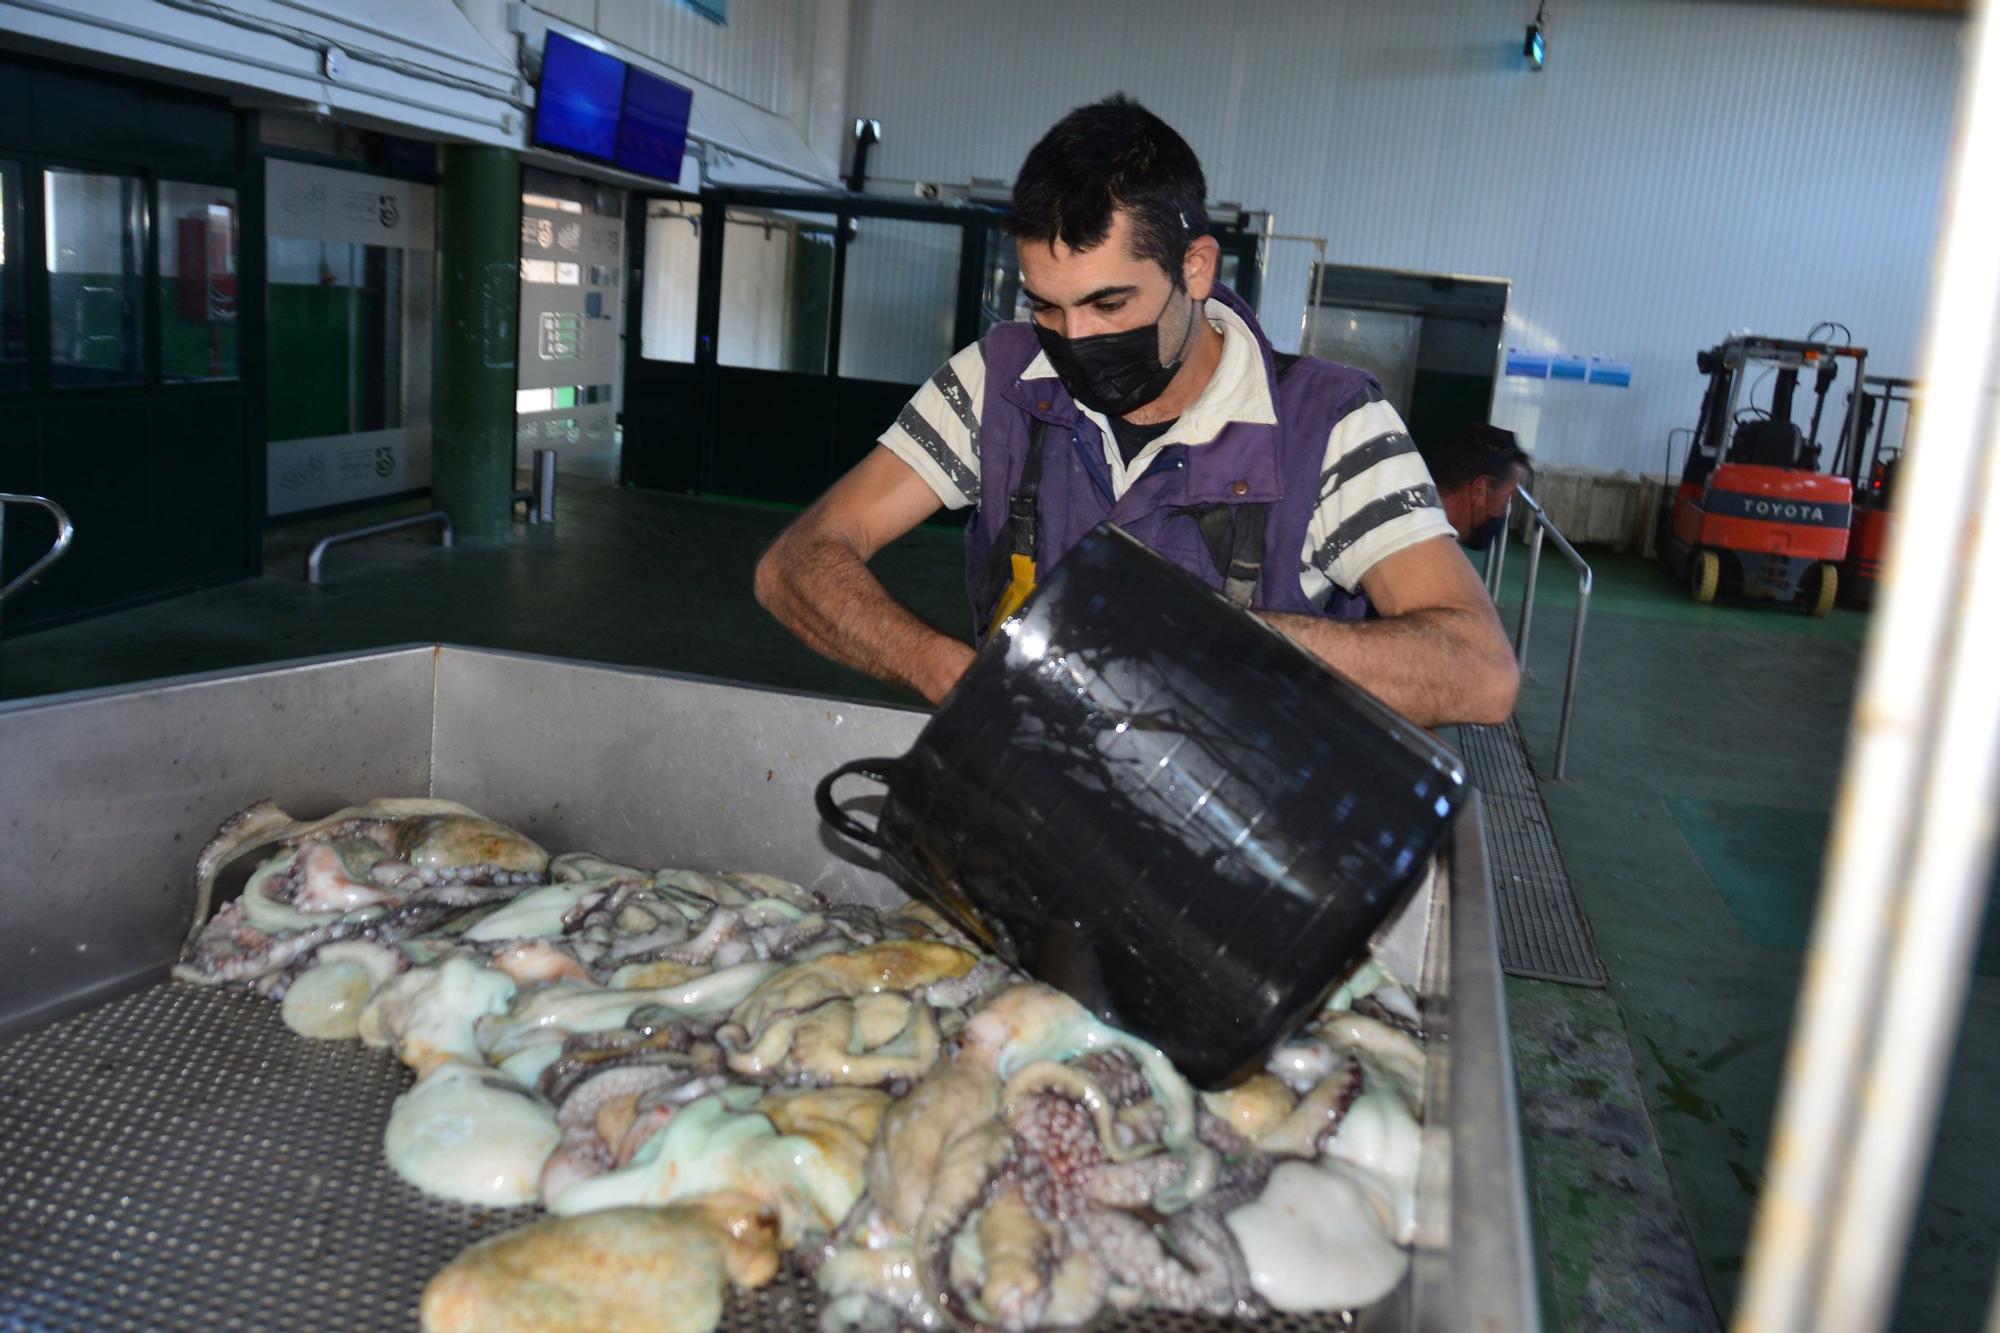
(309, 344)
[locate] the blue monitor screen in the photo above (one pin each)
(653, 134)
(582, 89)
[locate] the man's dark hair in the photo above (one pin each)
(1475, 451)
(1109, 155)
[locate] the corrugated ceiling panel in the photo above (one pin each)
(1680, 170)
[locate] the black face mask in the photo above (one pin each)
(1484, 535)
(1115, 373)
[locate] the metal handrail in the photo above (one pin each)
(1524, 627)
(1496, 554)
(65, 532)
(317, 555)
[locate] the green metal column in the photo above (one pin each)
(479, 302)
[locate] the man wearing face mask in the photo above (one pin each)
(1143, 392)
(1477, 471)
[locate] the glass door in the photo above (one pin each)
(779, 332)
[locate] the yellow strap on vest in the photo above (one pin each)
(1018, 588)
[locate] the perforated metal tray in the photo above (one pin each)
(178, 1159)
(173, 1157)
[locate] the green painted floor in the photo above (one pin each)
(1707, 745)
(1706, 751)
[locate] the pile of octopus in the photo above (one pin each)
(709, 1080)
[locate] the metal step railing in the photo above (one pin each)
(1539, 525)
(316, 557)
(539, 496)
(65, 533)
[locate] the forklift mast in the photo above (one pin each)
(1773, 438)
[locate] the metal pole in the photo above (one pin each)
(1583, 583)
(1938, 928)
(1319, 294)
(1500, 556)
(1915, 813)
(1525, 626)
(542, 482)
(1492, 554)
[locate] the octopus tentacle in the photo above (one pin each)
(270, 954)
(969, 1169)
(266, 823)
(1117, 1071)
(1318, 1114)
(986, 976)
(1188, 1262)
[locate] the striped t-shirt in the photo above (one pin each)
(1376, 496)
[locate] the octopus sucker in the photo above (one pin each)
(734, 1066)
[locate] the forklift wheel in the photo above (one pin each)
(1704, 576)
(1821, 597)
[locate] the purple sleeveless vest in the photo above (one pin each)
(1278, 466)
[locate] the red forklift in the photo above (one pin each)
(1874, 480)
(1754, 516)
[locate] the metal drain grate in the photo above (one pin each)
(177, 1159)
(1542, 931)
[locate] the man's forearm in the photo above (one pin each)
(1436, 666)
(822, 590)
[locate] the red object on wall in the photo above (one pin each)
(205, 249)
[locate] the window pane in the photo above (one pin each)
(197, 260)
(13, 282)
(1381, 342)
(419, 300)
(777, 291)
(1000, 299)
(898, 306)
(672, 279)
(96, 228)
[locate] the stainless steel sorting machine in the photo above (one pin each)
(172, 1156)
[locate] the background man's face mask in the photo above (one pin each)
(1119, 373)
(1491, 528)
(1486, 533)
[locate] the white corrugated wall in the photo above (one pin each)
(1680, 169)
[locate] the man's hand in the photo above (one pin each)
(1437, 655)
(815, 579)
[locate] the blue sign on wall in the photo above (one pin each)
(582, 91)
(652, 135)
(1616, 374)
(1605, 370)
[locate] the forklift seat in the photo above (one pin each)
(1771, 443)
